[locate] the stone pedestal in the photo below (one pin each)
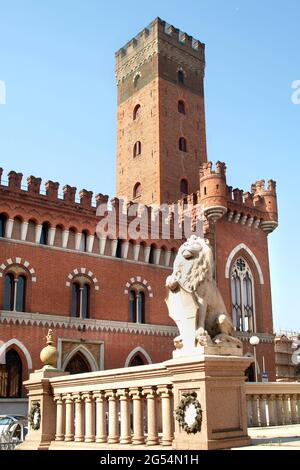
(219, 382)
(39, 392)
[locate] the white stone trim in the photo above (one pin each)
(138, 280)
(84, 271)
(136, 350)
(86, 353)
(17, 260)
(59, 321)
(238, 248)
(15, 341)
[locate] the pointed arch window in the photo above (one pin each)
(137, 149)
(182, 144)
(242, 295)
(80, 307)
(137, 304)
(181, 107)
(78, 364)
(137, 360)
(14, 292)
(11, 376)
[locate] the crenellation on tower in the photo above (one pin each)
(14, 180)
(33, 184)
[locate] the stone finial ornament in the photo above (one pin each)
(49, 354)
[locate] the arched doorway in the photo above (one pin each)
(78, 364)
(11, 376)
(137, 360)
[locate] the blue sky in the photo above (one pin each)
(59, 120)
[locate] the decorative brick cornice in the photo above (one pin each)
(58, 321)
(264, 337)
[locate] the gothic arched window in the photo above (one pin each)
(80, 307)
(137, 149)
(78, 364)
(137, 304)
(242, 295)
(11, 376)
(182, 144)
(137, 360)
(14, 292)
(136, 111)
(181, 107)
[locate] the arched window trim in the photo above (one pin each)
(241, 271)
(80, 305)
(10, 385)
(137, 302)
(134, 352)
(136, 111)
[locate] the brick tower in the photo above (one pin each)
(161, 139)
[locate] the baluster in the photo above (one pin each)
(272, 410)
(138, 416)
(165, 392)
(69, 434)
(150, 394)
(298, 407)
(101, 433)
(279, 408)
(249, 411)
(286, 409)
(262, 411)
(79, 418)
(255, 410)
(89, 417)
(125, 435)
(113, 418)
(294, 414)
(60, 418)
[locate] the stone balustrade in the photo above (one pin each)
(273, 404)
(123, 406)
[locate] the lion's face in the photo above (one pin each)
(192, 247)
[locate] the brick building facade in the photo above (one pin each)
(104, 296)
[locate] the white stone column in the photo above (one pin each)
(114, 244)
(286, 409)
(165, 392)
(150, 394)
(69, 434)
(51, 236)
(113, 418)
(136, 251)
(157, 253)
(279, 410)
(38, 232)
(79, 419)
(124, 249)
(78, 237)
(90, 243)
(138, 416)
(24, 230)
(102, 244)
(294, 413)
(147, 253)
(9, 228)
(298, 406)
(125, 434)
(60, 418)
(65, 238)
(272, 410)
(167, 258)
(262, 411)
(255, 410)
(101, 433)
(89, 417)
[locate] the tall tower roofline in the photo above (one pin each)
(157, 29)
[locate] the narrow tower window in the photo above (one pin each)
(137, 149)
(182, 144)
(137, 190)
(181, 107)
(136, 80)
(242, 295)
(136, 112)
(180, 76)
(184, 187)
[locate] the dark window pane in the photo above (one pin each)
(140, 307)
(11, 376)
(151, 256)
(75, 300)
(44, 234)
(21, 290)
(136, 361)
(132, 306)
(85, 301)
(78, 364)
(180, 76)
(119, 249)
(8, 292)
(2, 225)
(184, 187)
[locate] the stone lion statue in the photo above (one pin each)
(194, 300)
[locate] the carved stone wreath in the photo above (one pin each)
(35, 416)
(188, 401)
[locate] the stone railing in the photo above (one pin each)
(273, 404)
(112, 407)
(133, 407)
